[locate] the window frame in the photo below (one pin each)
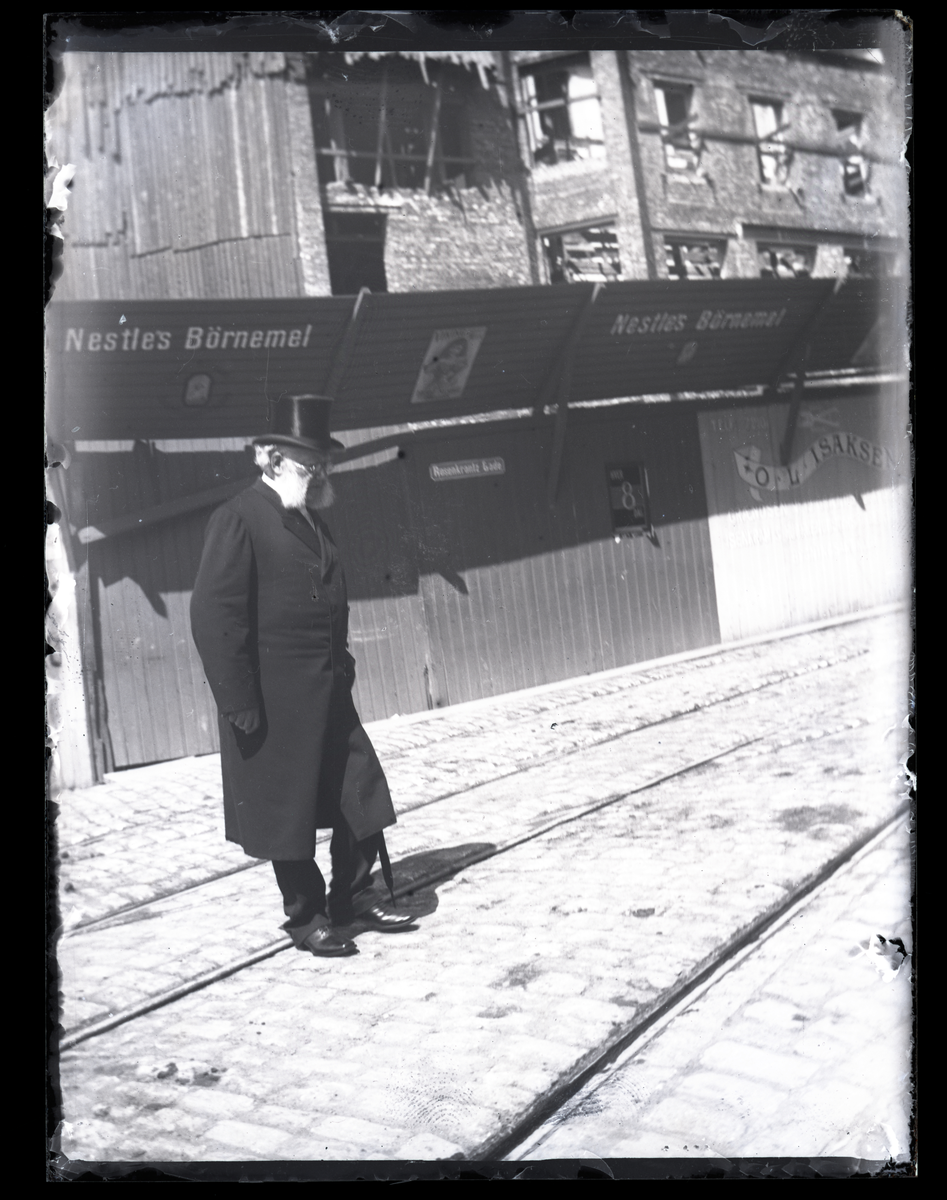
(853, 155)
(530, 109)
(672, 241)
(340, 156)
(765, 245)
(885, 263)
(770, 148)
(688, 146)
(546, 235)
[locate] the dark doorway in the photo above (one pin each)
(356, 247)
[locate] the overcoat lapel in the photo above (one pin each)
(293, 521)
(329, 554)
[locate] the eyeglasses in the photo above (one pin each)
(309, 469)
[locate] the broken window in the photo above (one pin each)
(682, 146)
(869, 264)
(848, 125)
(587, 255)
(694, 259)
(562, 110)
(773, 156)
(384, 130)
(786, 262)
(355, 243)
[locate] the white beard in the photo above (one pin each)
(299, 492)
(292, 488)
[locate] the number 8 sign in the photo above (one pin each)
(628, 498)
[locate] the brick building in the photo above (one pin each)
(277, 175)
(714, 164)
(255, 175)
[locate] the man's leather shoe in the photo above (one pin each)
(377, 917)
(326, 944)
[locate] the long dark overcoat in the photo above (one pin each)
(269, 615)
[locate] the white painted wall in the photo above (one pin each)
(836, 542)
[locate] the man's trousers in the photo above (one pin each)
(305, 900)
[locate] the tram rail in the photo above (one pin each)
(430, 879)
(742, 943)
(540, 760)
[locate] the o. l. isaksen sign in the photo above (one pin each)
(753, 471)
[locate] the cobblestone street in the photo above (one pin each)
(575, 855)
(816, 1013)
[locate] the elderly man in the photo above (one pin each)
(269, 617)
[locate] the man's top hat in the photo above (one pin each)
(300, 421)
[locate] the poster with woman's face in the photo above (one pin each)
(447, 364)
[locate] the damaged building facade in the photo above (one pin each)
(242, 224)
(202, 175)
(275, 175)
(697, 165)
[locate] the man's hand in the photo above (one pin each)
(247, 720)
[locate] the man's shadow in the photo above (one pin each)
(417, 876)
